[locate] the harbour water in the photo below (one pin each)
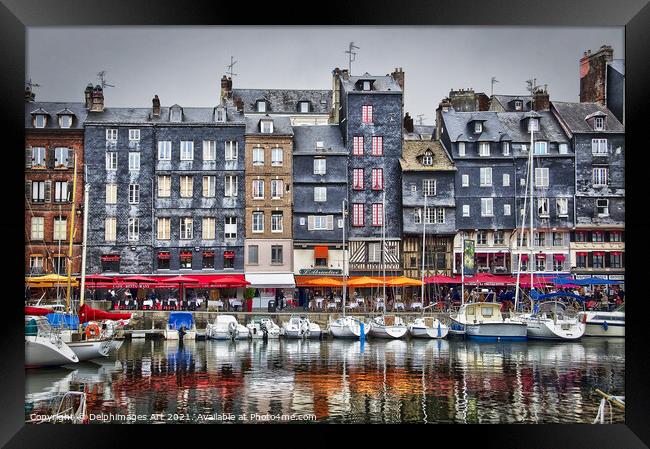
(400, 381)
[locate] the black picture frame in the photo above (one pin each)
(16, 15)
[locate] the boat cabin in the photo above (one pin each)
(480, 312)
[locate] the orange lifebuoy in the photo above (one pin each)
(92, 330)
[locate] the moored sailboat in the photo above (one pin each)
(43, 346)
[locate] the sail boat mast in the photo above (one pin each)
(82, 293)
(72, 214)
(383, 242)
(344, 276)
(531, 161)
(424, 232)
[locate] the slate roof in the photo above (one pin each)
(412, 149)
(281, 125)
(382, 83)
(574, 114)
(52, 109)
(284, 101)
(618, 65)
(505, 102)
(549, 128)
(144, 116)
(306, 136)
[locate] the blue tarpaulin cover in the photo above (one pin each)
(560, 294)
(178, 319)
(595, 281)
(63, 320)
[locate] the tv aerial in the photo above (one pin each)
(351, 55)
(229, 67)
(102, 79)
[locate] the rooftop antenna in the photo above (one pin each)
(493, 81)
(31, 84)
(102, 79)
(351, 56)
(230, 66)
(532, 84)
(420, 119)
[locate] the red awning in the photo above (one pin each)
(164, 255)
(599, 253)
(186, 254)
(229, 254)
(208, 253)
(524, 257)
(204, 281)
(581, 253)
(559, 257)
(320, 252)
(442, 279)
(616, 253)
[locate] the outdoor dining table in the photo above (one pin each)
(332, 305)
(319, 302)
(416, 305)
(399, 305)
(379, 304)
(234, 302)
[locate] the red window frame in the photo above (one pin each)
(377, 214)
(358, 214)
(357, 178)
(377, 146)
(357, 145)
(377, 179)
(366, 113)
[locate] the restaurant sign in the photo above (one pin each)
(320, 271)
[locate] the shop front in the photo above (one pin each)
(271, 287)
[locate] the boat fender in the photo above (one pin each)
(605, 325)
(92, 330)
(584, 318)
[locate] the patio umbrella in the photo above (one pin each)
(228, 282)
(441, 279)
(364, 281)
(595, 281)
(181, 280)
(324, 282)
(49, 280)
(403, 281)
(98, 278)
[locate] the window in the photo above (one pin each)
(540, 238)
(542, 207)
(427, 159)
(261, 106)
(277, 189)
(111, 135)
(598, 236)
(276, 157)
(207, 260)
(465, 210)
(429, 187)
(187, 150)
(484, 148)
(303, 106)
(358, 215)
(486, 207)
(598, 260)
(439, 215)
(377, 214)
(187, 228)
(276, 221)
(58, 263)
(134, 193)
(541, 148)
(506, 210)
(61, 191)
(111, 160)
(41, 191)
(230, 185)
(599, 146)
(505, 146)
(258, 156)
(320, 194)
(340, 223)
(165, 150)
(40, 120)
(266, 126)
(36, 264)
(499, 238)
(61, 157)
(164, 186)
(357, 145)
(616, 260)
(417, 216)
(230, 228)
(320, 166)
(253, 254)
(486, 176)
(558, 263)
(541, 177)
(506, 180)
(276, 254)
(461, 148)
(163, 226)
(465, 180)
(258, 222)
(615, 236)
(163, 260)
(429, 215)
(482, 238)
(374, 252)
(533, 124)
(134, 161)
(540, 263)
(562, 207)
(319, 144)
(377, 146)
(599, 123)
(320, 222)
(134, 229)
(580, 236)
(258, 189)
(478, 127)
(518, 105)
(377, 179)
(558, 239)
(232, 150)
(563, 148)
(134, 134)
(38, 228)
(186, 260)
(602, 207)
(209, 150)
(357, 178)
(110, 229)
(209, 186)
(581, 260)
(38, 156)
(366, 114)
(600, 176)
(366, 85)
(187, 186)
(208, 228)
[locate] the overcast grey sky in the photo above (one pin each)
(184, 64)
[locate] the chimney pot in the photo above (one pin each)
(155, 109)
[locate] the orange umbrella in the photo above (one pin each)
(403, 281)
(324, 282)
(364, 281)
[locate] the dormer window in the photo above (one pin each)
(533, 124)
(266, 126)
(478, 127)
(65, 121)
(427, 159)
(506, 148)
(40, 120)
(319, 144)
(220, 115)
(599, 123)
(261, 106)
(366, 85)
(303, 106)
(519, 105)
(175, 113)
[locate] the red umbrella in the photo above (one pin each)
(180, 280)
(98, 278)
(140, 280)
(228, 282)
(441, 279)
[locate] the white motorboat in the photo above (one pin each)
(43, 346)
(387, 326)
(180, 325)
(604, 324)
(300, 327)
(271, 330)
(255, 330)
(348, 327)
(427, 327)
(483, 321)
(226, 327)
(551, 321)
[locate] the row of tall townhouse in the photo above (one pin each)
(268, 181)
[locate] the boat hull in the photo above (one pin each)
(428, 332)
(41, 352)
(93, 349)
(597, 329)
(496, 331)
(172, 334)
(379, 331)
(547, 330)
(351, 330)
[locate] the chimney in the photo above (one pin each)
(29, 95)
(336, 96)
(345, 74)
(463, 100)
(226, 88)
(398, 76)
(97, 97)
(155, 108)
(88, 93)
(444, 105)
(408, 123)
(541, 99)
(593, 74)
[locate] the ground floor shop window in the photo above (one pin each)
(186, 260)
(163, 260)
(208, 260)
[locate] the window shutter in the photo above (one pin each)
(70, 158)
(330, 222)
(28, 190)
(28, 158)
(607, 260)
(48, 191)
(310, 223)
(590, 259)
(566, 239)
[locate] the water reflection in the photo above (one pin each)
(350, 381)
